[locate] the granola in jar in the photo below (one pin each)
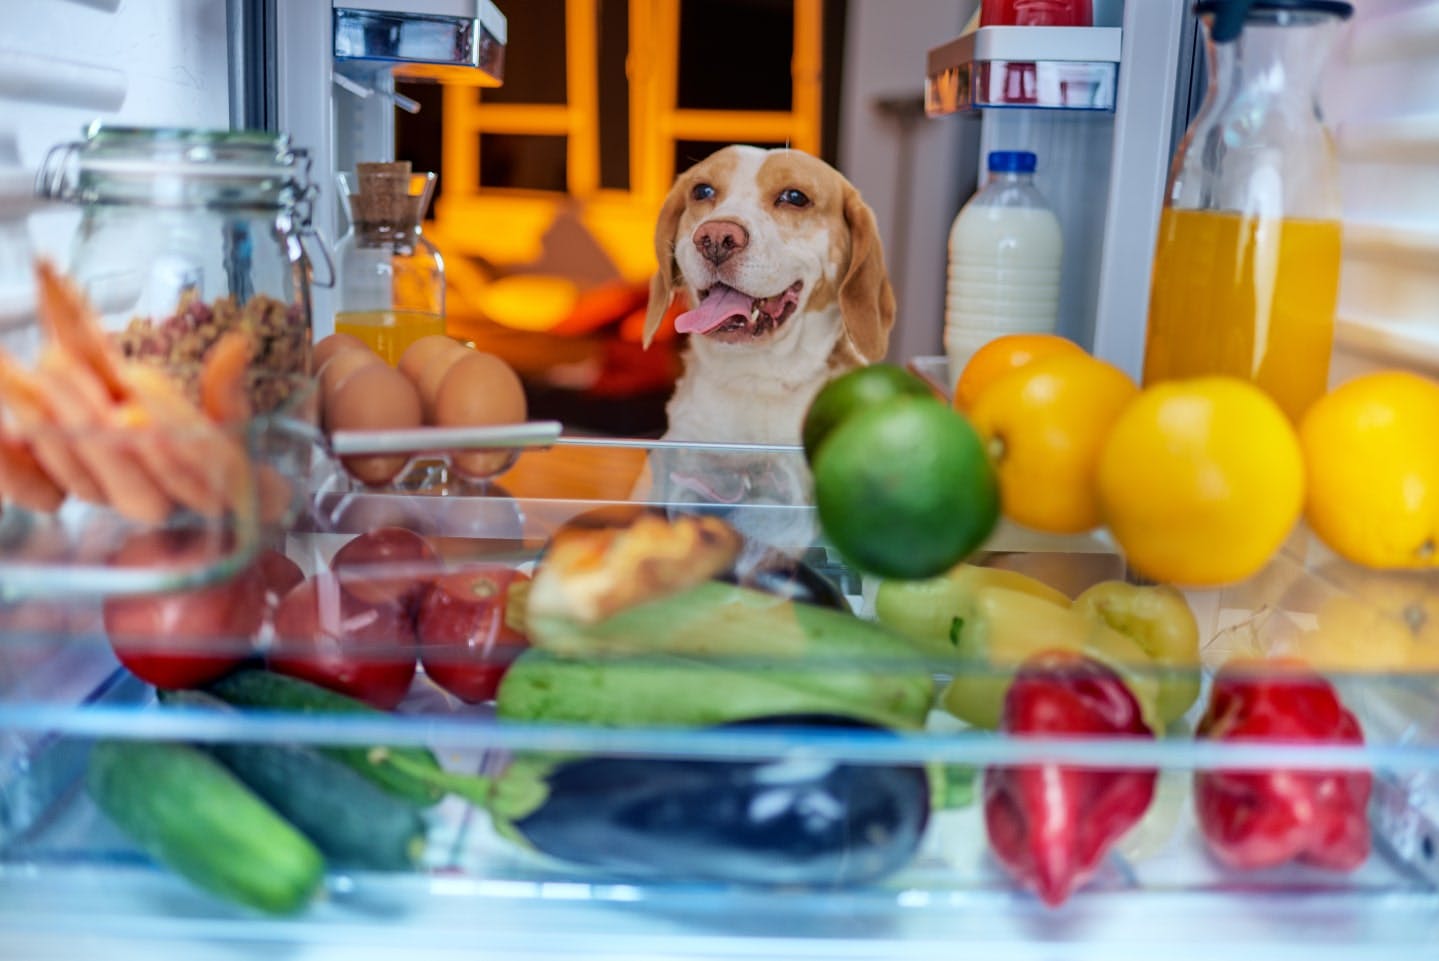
(278, 332)
(187, 235)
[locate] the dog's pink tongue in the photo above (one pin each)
(718, 307)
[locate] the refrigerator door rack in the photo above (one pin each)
(1057, 68)
(457, 41)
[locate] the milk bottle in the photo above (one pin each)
(1005, 250)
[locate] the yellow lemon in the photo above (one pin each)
(1371, 453)
(1370, 620)
(1201, 480)
(1004, 355)
(1044, 425)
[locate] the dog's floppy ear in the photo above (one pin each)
(666, 278)
(866, 300)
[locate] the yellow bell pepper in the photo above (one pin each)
(1000, 628)
(925, 609)
(1158, 619)
(988, 620)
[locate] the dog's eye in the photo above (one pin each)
(702, 192)
(795, 198)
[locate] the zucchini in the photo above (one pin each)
(665, 689)
(354, 821)
(191, 814)
(834, 659)
(412, 773)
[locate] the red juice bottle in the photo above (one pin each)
(1037, 13)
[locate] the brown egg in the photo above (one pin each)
(479, 390)
(376, 397)
(331, 345)
(338, 369)
(424, 352)
(433, 376)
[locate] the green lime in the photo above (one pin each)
(904, 489)
(859, 389)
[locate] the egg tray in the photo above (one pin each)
(380, 411)
(434, 460)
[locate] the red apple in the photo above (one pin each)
(183, 638)
(329, 636)
(280, 575)
(466, 645)
(386, 564)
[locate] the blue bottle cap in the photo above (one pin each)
(1012, 162)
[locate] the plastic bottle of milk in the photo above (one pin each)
(1005, 250)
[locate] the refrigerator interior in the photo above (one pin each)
(71, 885)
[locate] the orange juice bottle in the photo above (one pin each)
(1246, 267)
(1244, 296)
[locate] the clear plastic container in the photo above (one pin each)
(473, 881)
(1005, 255)
(115, 481)
(392, 279)
(177, 508)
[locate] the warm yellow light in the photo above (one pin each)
(533, 302)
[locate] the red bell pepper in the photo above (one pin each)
(1050, 825)
(1258, 819)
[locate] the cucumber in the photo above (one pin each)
(191, 814)
(412, 773)
(665, 689)
(352, 820)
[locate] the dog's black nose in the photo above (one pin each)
(719, 240)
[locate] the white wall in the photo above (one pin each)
(65, 63)
(934, 163)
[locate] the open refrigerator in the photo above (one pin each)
(72, 885)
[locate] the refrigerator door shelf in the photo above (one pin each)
(464, 45)
(1056, 68)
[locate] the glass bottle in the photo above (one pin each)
(187, 234)
(1246, 267)
(392, 280)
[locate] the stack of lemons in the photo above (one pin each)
(1200, 481)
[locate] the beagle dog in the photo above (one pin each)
(782, 263)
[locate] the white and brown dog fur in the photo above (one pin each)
(781, 261)
(786, 242)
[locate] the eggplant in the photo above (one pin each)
(791, 578)
(806, 822)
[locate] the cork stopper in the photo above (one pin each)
(384, 196)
